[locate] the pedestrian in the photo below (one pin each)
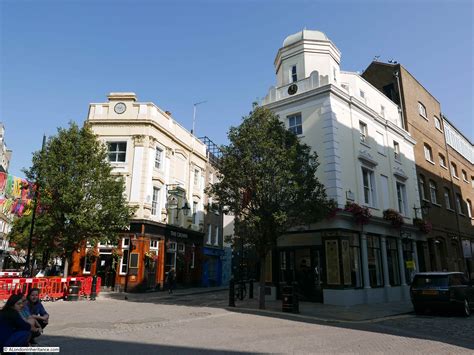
(14, 330)
(170, 279)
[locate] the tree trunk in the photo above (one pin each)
(66, 267)
(261, 297)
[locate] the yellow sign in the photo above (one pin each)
(410, 264)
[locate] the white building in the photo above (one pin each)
(365, 157)
(6, 218)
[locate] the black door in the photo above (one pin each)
(106, 270)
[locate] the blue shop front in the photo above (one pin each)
(212, 267)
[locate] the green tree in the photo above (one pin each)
(79, 199)
(267, 181)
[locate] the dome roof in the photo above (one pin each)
(305, 34)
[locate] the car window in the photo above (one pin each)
(455, 280)
(430, 281)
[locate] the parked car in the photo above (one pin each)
(442, 290)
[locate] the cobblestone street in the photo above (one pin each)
(202, 324)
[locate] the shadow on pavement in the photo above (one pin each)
(432, 326)
(71, 345)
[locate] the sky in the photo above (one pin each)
(56, 57)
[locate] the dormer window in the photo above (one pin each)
(294, 76)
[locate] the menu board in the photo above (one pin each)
(332, 262)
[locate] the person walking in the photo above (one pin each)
(170, 280)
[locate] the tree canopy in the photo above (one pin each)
(79, 199)
(267, 180)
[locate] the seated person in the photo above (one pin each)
(14, 331)
(35, 307)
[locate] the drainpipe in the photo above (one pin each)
(396, 74)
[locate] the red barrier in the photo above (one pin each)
(51, 288)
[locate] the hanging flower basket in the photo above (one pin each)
(332, 210)
(361, 213)
(394, 217)
(151, 255)
(93, 253)
(117, 253)
(425, 227)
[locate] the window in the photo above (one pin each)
(428, 153)
(459, 204)
(392, 261)
(355, 262)
(382, 111)
(363, 131)
(195, 207)
(369, 186)
(193, 257)
(209, 233)
(216, 240)
(375, 261)
(442, 160)
(464, 175)
(385, 193)
(469, 208)
(181, 247)
(294, 123)
(155, 201)
(117, 151)
(422, 109)
(87, 264)
(437, 122)
(196, 177)
(294, 75)
(362, 94)
(125, 252)
(402, 198)
(447, 199)
(422, 186)
(154, 244)
(380, 143)
(396, 150)
(334, 72)
(158, 157)
(433, 192)
(454, 170)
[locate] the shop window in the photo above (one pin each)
(408, 255)
(355, 262)
(87, 264)
(375, 261)
(392, 260)
(125, 254)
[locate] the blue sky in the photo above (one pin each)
(58, 56)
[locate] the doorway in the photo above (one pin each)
(106, 270)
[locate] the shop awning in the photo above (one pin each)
(17, 259)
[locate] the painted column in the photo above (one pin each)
(365, 260)
(386, 278)
(401, 262)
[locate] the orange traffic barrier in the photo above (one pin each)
(50, 288)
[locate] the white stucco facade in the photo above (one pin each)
(365, 155)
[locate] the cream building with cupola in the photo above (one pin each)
(366, 157)
(166, 170)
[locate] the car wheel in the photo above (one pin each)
(466, 309)
(419, 310)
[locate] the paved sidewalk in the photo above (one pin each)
(322, 312)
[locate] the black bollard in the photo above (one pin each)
(93, 288)
(231, 293)
(251, 288)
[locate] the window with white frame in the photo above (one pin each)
(172, 246)
(437, 122)
(428, 153)
(433, 192)
(454, 170)
(368, 181)
(117, 151)
(469, 208)
(362, 94)
(464, 175)
(396, 150)
(209, 234)
(155, 202)
(363, 131)
(154, 244)
(181, 248)
(125, 255)
(216, 232)
(422, 186)
(295, 124)
(382, 111)
(459, 205)
(334, 72)
(293, 74)
(87, 264)
(442, 160)
(402, 198)
(197, 173)
(422, 109)
(379, 137)
(447, 199)
(158, 157)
